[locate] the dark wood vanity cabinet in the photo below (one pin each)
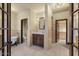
(38, 39)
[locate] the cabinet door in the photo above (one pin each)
(38, 40)
(34, 39)
(42, 40)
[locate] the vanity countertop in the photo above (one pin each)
(38, 33)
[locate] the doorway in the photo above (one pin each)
(61, 28)
(24, 28)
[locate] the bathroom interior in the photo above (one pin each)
(35, 28)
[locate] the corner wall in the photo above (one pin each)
(48, 27)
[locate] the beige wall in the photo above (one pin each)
(21, 15)
(14, 19)
(35, 21)
(50, 31)
(48, 27)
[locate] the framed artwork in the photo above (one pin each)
(41, 23)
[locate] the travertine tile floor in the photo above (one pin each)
(57, 49)
(23, 50)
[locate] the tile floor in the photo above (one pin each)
(57, 49)
(23, 50)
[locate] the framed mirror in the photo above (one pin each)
(41, 23)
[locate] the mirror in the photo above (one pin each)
(41, 23)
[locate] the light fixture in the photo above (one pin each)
(58, 5)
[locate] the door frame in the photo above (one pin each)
(66, 29)
(22, 29)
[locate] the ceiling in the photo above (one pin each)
(58, 7)
(37, 6)
(26, 6)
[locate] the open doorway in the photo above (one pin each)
(24, 28)
(61, 31)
